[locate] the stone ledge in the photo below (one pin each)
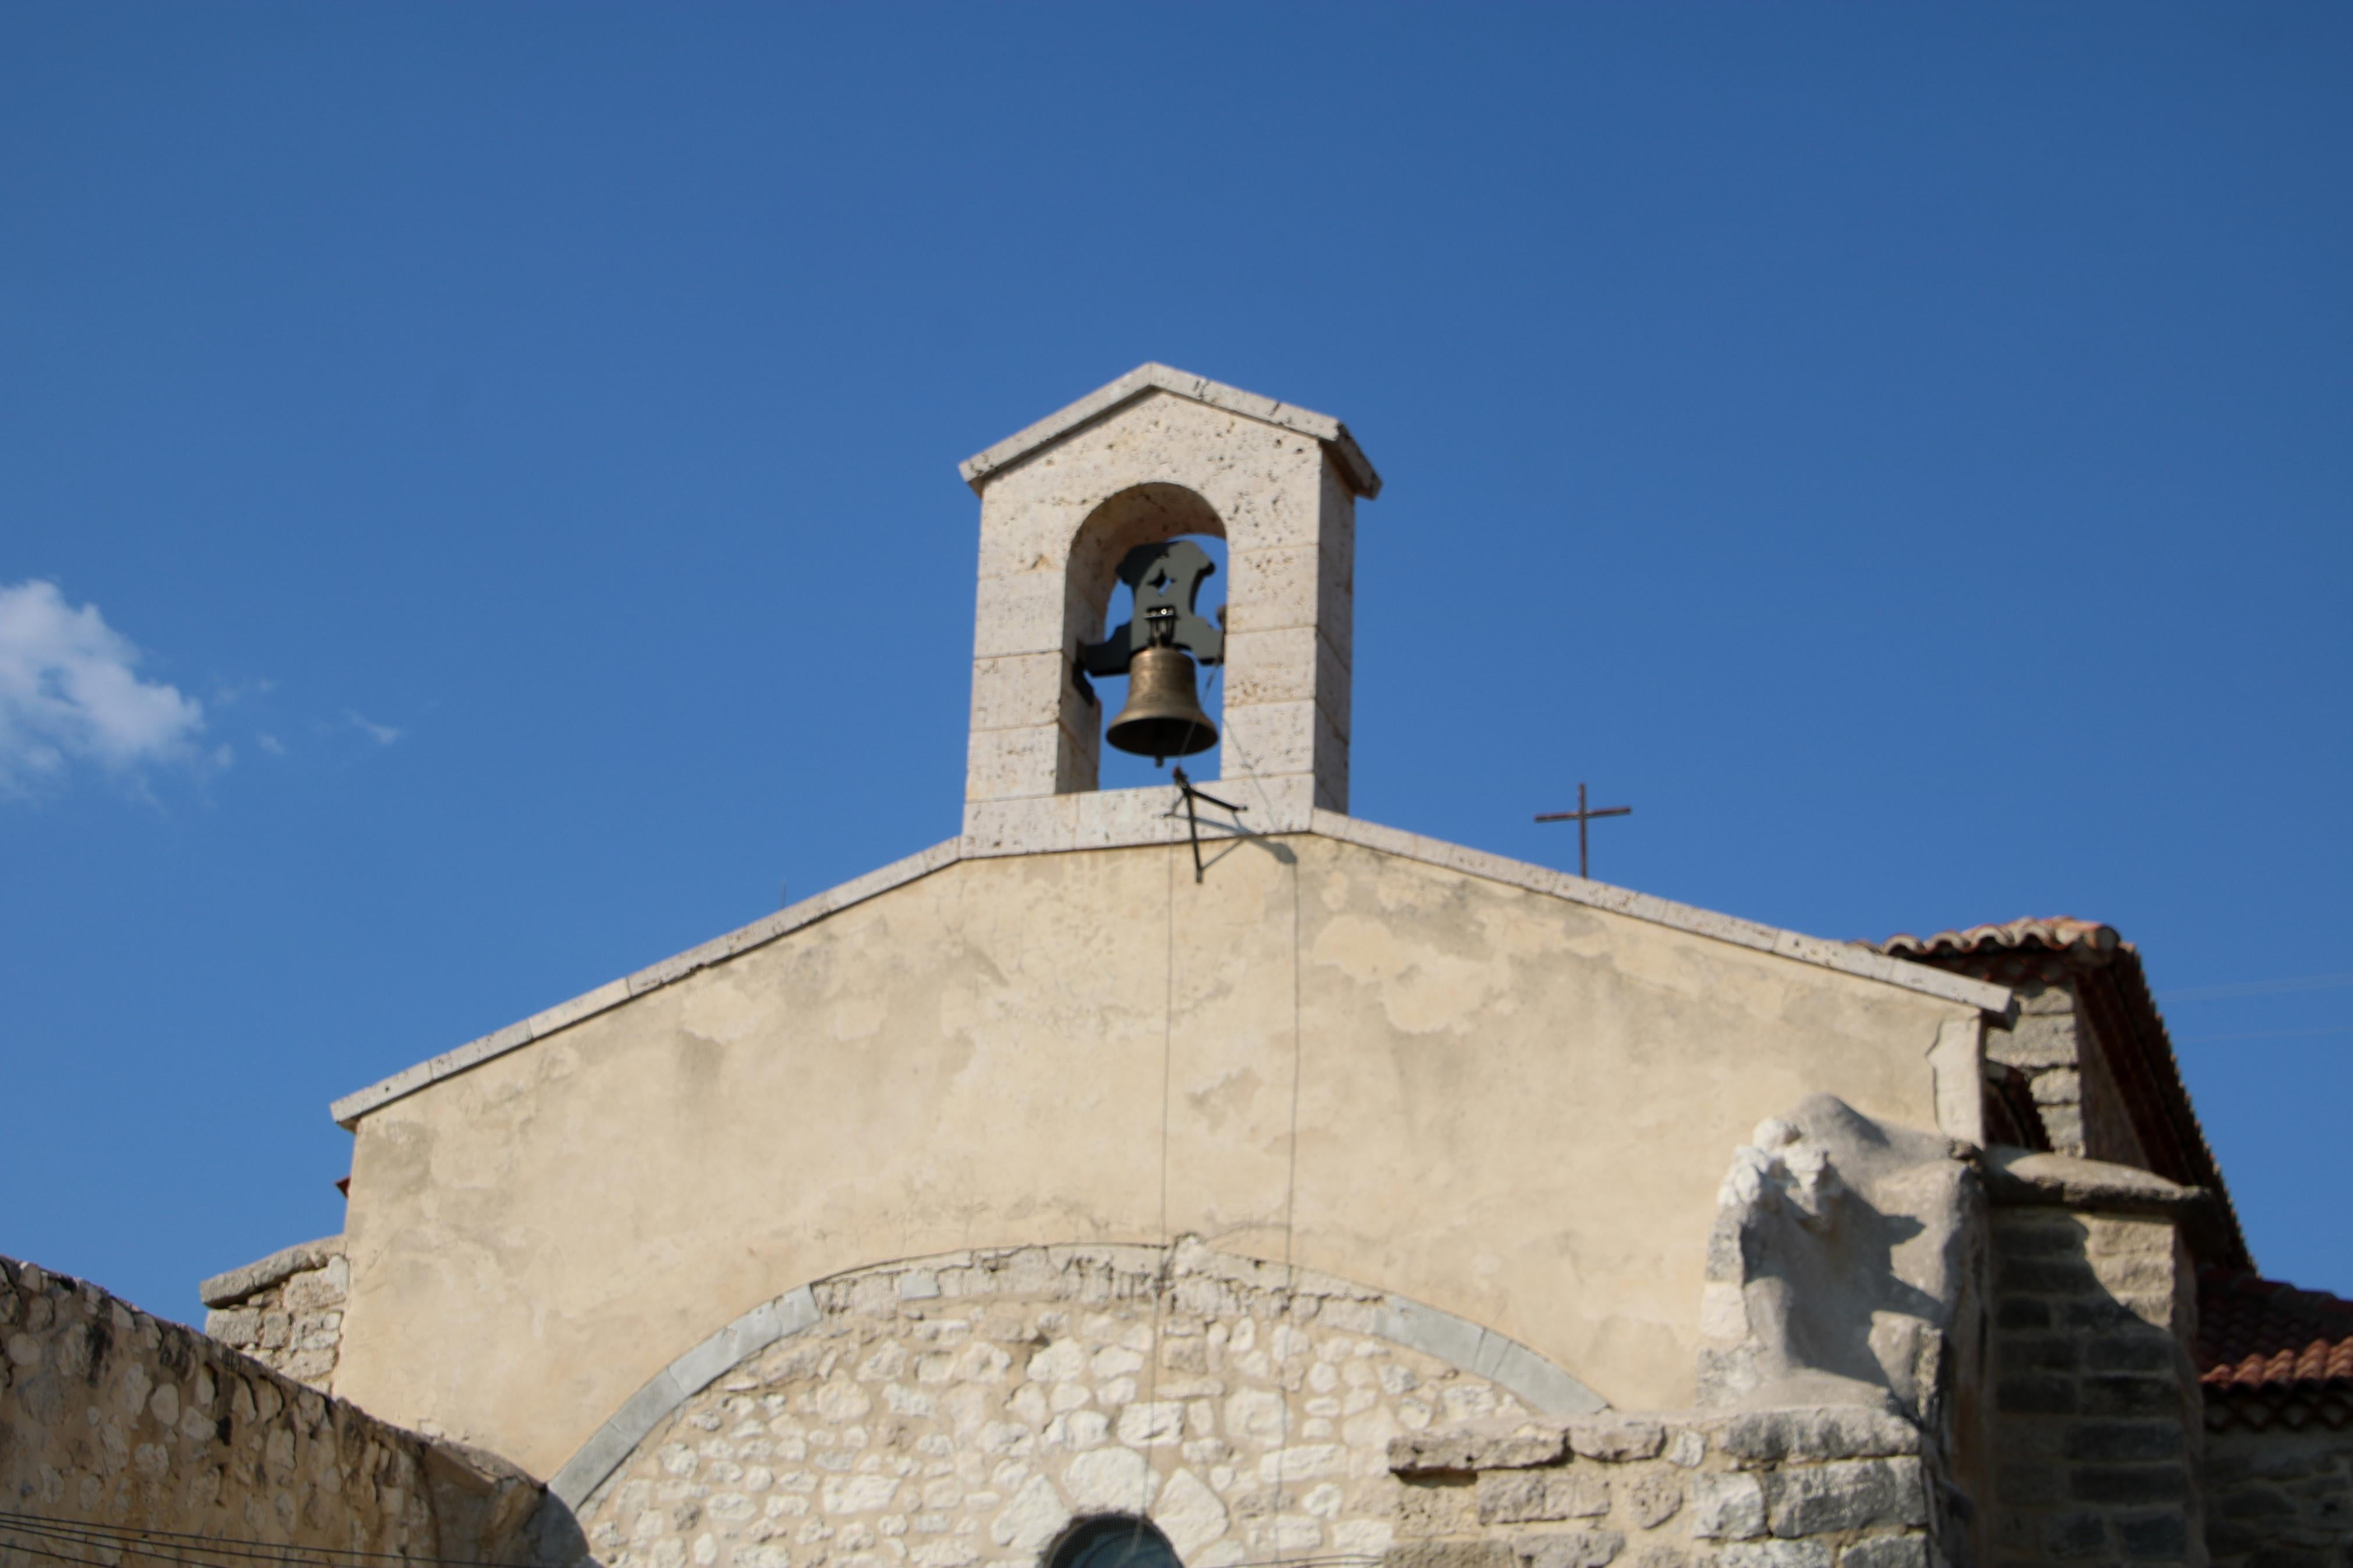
(2025, 1177)
(227, 1290)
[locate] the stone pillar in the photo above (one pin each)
(1154, 455)
(2097, 1423)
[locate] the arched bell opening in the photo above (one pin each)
(1111, 1540)
(1184, 593)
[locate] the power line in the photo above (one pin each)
(2257, 988)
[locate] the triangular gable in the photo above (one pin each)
(1147, 378)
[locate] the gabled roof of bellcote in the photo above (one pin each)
(1149, 378)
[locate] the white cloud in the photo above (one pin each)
(68, 694)
(382, 734)
(270, 744)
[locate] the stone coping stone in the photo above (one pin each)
(230, 1289)
(2022, 1176)
(1149, 377)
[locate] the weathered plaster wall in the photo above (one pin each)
(286, 1311)
(965, 1410)
(1509, 1106)
(111, 1417)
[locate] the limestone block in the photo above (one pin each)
(1844, 1495)
(1512, 1497)
(1297, 664)
(1887, 1552)
(1031, 826)
(1726, 1505)
(1614, 1437)
(1276, 589)
(1570, 1547)
(1655, 1498)
(1776, 1555)
(1021, 690)
(1011, 765)
(1272, 738)
(238, 1326)
(1482, 1553)
(1018, 614)
(1473, 1447)
(1810, 1434)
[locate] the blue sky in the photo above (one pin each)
(477, 505)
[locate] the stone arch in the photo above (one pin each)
(1148, 513)
(958, 1410)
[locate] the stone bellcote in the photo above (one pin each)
(1154, 455)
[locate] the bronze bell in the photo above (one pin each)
(1163, 717)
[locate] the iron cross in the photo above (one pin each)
(1581, 817)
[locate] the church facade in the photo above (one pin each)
(1210, 1175)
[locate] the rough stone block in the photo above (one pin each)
(1570, 1547)
(2031, 1485)
(2124, 1440)
(1469, 1447)
(1616, 1438)
(238, 1326)
(1437, 1505)
(2163, 1537)
(1776, 1555)
(1477, 1554)
(2037, 1352)
(1887, 1552)
(2023, 1312)
(1514, 1496)
(2125, 1395)
(2129, 1483)
(1654, 1499)
(1726, 1505)
(2036, 1393)
(1807, 1434)
(2081, 1532)
(2047, 1276)
(2133, 1352)
(1854, 1494)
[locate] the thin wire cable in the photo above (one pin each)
(1162, 1282)
(133, 1546)
(190, 1540)
(56, 1529)
(147, 1552)
(1290, 1196)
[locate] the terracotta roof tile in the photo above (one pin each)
(2106, 970)
(2269, 1354)
(2258, 1333)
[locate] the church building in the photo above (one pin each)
(1199, 1175)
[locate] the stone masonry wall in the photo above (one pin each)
(285, 1311)
(1805, 1487)
(2097, 1429)
(2053, 1044)
(2279, 1497)
(948, 1416)
(109, 1418)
